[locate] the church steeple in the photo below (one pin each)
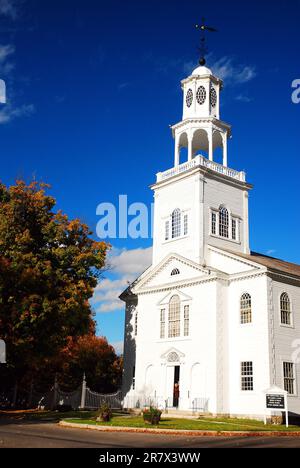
(201, 130)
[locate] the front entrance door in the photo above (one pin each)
(176, 391)
(173, 386)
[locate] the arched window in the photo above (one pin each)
(223, 222)
(176, 223)
(285, 309)
(246, 308)
(174, 317)
(175, 272)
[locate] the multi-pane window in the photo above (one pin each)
(233, 229)
(289, 377)
(186, 320)
(176, 223)
(133, 378)
(247, 376)
(162, 323)
(214, 223)
(246, 309)
(223, 222)
(136, 324)
(285, 309)
(185, 225)
(167, 230)
(174, 317)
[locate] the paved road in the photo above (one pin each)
(49, 435)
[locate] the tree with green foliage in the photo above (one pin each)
(49, 267)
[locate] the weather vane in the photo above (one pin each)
(203, 48)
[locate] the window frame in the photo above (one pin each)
(176, 224)
(245, 310)
(180, 319)
(245, 377)
(294, 378)
(162, 323)
(291, 315)
(224, 222)
(215, 225)
(184, 226)
(174, 317)
(186, 320)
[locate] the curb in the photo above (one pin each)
(176, 432)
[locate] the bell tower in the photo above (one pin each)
(200, 202)
(201, 130)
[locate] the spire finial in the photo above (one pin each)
(203, 48)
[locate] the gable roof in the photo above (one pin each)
(272, 263)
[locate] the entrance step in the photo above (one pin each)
(185, 414)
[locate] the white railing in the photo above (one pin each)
(201, 161)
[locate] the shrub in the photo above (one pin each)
(152, 416)
(104, 413)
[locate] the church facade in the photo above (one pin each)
(209, 325)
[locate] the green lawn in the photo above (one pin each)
(220, 424)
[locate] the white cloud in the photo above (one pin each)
(232, 73)
(130, 262)
(226, 69)
(10, 112)
(271, 252)
(8, 8)
(243, 98)
(126, 266)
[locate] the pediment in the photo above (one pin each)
(172, 355)
(165, 272)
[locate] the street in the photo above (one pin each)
(21, 434)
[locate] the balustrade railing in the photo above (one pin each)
(201, 161)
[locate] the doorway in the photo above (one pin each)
(176, 387)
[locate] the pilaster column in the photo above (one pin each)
(210, 145)
(190, 146)
(177, 152)
(225, 159)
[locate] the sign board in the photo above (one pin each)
(275, 401)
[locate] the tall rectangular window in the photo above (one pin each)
(174, 317)
(186, 320)
(185, 225)
(247, 376)
(162, 323)
(234, 229)
(213, 223)
(167, 230)
(289, 377)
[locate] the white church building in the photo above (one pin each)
(209, 325)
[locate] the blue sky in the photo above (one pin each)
(93, 87)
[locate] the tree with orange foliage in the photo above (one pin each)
(93, 356)
(49, 267)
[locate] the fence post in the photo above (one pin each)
(83, 392)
